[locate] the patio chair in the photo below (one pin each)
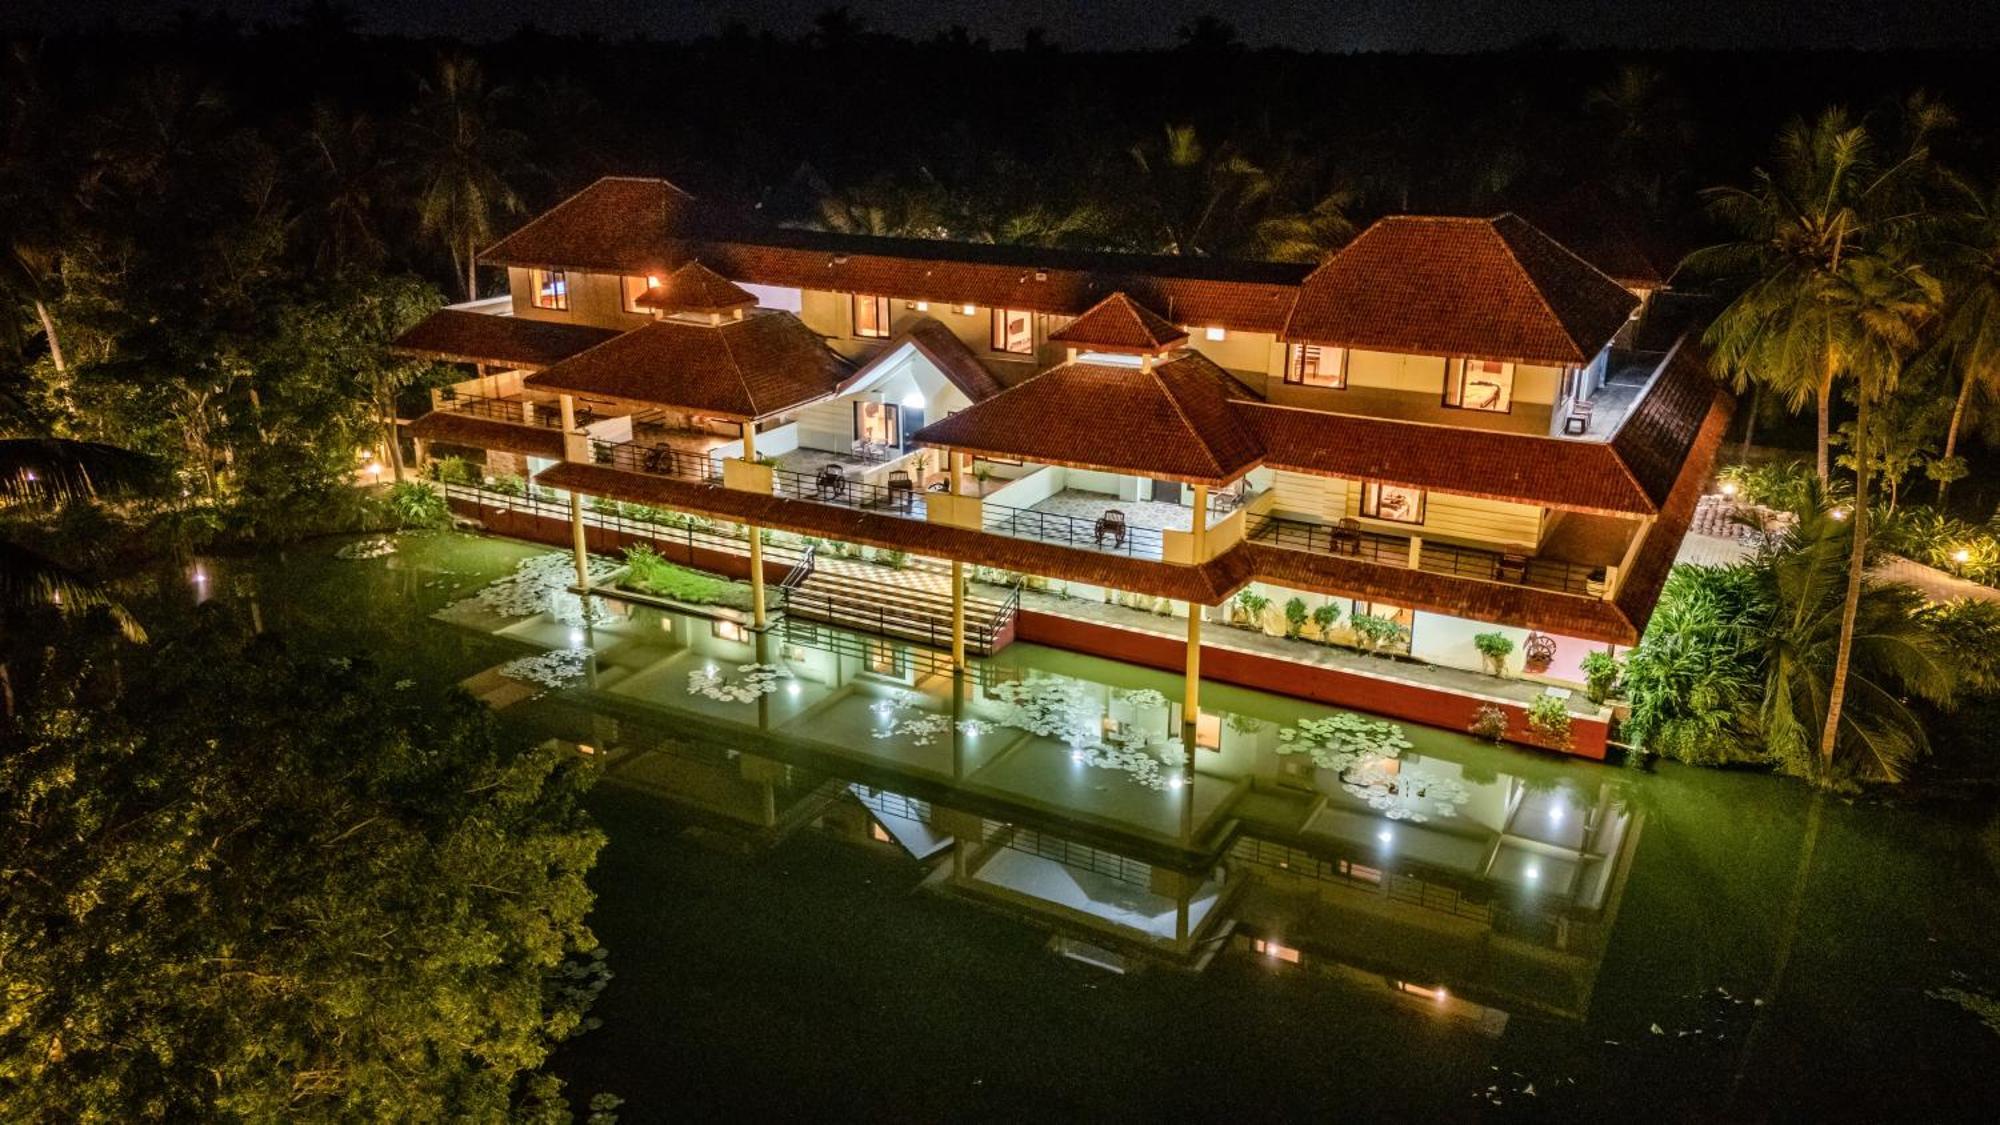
(1513, 568)
(1347, 537)
(902, 490)
(831, 483)
(1112, 525)
(659, 459)
(1578, 421)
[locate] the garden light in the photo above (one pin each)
(1961, 556)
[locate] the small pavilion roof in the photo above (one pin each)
(507, 341)
(755, 367)
(1120, 324)
(694, 288)
(1174, 419)
(942, 347)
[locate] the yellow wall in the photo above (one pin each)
(1447, 516)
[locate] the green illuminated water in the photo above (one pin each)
(1567, 908)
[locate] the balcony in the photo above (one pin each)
(517, 409)
(1348, 540)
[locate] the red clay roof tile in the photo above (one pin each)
(470, 337)
(1118, 324)
(760, 365)
(694, 288)
(945, 350)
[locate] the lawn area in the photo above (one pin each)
(648, 573)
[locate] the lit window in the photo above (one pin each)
(880, 834)
(1479, 384)
(1276, 952)
(1312, 365)
(634, 288)
(1208, 731)
(730, 631)
(967, 310)
(922, 306)
(879, 423)
(871, 316)
(1014, 331)
(1392, 502)
(549, 289)
(1217, 332)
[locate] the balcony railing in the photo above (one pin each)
(520, 411)
(849, 492)
(1072, 531)
(656, 460)
(1434, 557)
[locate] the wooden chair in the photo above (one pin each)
(1347, 537)
(1111, 524)
(1512, 568)
(902, 490)
(831, 483)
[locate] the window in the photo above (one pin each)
(634, 287)
(1392, 502)
(878, 423)
(1014, 331)
(728, 631)
(1312, 365)
(549, 289)
(1216, 332)
(1479, 384)
(871, 317)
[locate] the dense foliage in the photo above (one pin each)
(242, 883)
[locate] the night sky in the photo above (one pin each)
(1339, 25)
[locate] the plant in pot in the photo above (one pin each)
(1324, 618)
(1548, 716)
(1489, 722)
(1253, 606)
(1600, 675)
(1494, 649)
(1295, 618)
(1375, 634)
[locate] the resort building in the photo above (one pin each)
(1243, 471)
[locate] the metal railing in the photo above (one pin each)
(1090, 534)
(801, 570)
(849, 492)
(1068, 852)
(519, 411)
(656, 460)
(1435, 557)
(881, 616)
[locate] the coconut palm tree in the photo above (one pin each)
(1968, 331)
(47, 470)
(1310, 235)
(463, 160)
(1185, 185)
(1828, 197)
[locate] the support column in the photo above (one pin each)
(1191, 694)
(1200, 540)
(568, 405)
(756, 537)
(957, 618)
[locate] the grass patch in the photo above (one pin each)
(648, 573)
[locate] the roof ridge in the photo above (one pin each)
(1534, 283)
(1201, 436)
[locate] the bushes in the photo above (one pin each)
(1295, 617)
(1494, 649)
(1600, 674)
(648, 573)
(1325, 618)
(1375, 634)
(1548, 716)
(1253, 605)
(1952, 545)
(456, 470)
(1786, 486)
(1488, 722)
(414, 504)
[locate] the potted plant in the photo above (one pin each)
(1324, 618)
(1600, 675)
(1375, 634)
(1253, 605)
(1494, 649)
(1548, 717)
(1295, 618)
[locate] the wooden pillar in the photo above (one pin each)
(1191, 694)
(957, 618)
(1200, 541)
(756, 537)
(577, 540)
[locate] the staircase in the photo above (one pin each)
(912, 611)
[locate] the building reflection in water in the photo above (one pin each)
(1058, 788)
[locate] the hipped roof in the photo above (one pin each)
(758, 366)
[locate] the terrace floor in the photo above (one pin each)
(1630, 374)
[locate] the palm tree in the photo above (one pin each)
(1185, 185)
(1311, 235)
(1968, 332)
(345, 168)
(1827, 199)
(463, 160)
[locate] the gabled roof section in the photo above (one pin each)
(1488, 288)
(761, 365)
(694, 288)
(1174, 420)
(620, 224)
(509, 341)
(942, 347)
(1119, 324)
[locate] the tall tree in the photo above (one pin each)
(1186, 188)
(1968, 332)
(1827, 198)
(464, 160)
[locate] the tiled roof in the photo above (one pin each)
(470, 337)
(1489, 288)
(1653, 442)
(1173, 421)
(1640, 590)
(1117, 324)
(1581, 475)
(763, 364)
(640, 226)
(945, 350)
(697, 289)
(488, 433)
